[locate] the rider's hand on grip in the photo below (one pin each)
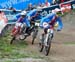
(37, 24)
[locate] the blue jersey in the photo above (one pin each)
(17, 16)
(49, 19)
(32, 13)
(24, 20)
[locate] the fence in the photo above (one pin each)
(10, 14)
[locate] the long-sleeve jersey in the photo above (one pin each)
(22, 20)
(34, 14)
(50, 18)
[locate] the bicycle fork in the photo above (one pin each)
(46, 40)
(48, 35)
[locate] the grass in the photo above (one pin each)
(11, 51)
(69, 43)
(16, 50)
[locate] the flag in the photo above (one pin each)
(3, 21)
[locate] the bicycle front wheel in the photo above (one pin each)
(41, 44)
(48, 46)
(34, 36)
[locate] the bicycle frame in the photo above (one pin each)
(19, 31)
(35, 32)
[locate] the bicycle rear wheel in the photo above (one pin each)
(41, 47)
(41, 44)
(22, 37)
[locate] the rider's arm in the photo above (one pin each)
(16, 16)
(35, 15)
(41, 22)
(27, 22)
(19, 19)
(60, 24)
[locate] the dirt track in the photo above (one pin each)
(62, 49)
(63, 44)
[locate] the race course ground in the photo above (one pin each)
(62, 49)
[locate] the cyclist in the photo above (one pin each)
(21, 19)
(33, 15)
(49, 21)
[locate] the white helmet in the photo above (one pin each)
(23, 13)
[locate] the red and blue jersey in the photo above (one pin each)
(22, 20)
(51, 19)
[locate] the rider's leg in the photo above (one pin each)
(42, 37)
(30, 29)
(27, 30)
(52, 32)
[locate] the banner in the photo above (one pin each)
(3, 21)
(47, 10)
(65, 7)
(19, 4)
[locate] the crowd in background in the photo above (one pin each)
(59, 1)
(46, 4)
(40, 5)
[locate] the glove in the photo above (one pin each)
(41, 26)
(37, 24)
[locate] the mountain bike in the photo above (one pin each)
(45, 43)
(19, 34)
(35, 32)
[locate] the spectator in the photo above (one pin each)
(30, 7)
(58, 1)
(62, 1)
(43, 5)
(53, 2)
(66, 0)
(39, 5)
(47, 3)
(13, 9)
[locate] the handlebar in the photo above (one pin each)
(37, 24)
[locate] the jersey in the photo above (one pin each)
(50, 19)
(24, 20)
(32, 13)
